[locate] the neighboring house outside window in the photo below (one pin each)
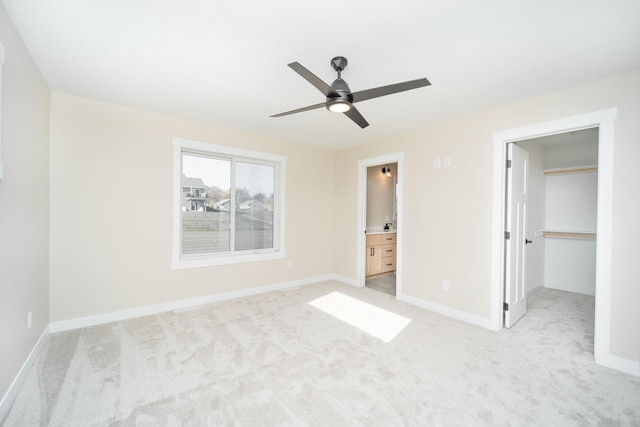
(223, 205)
(194, 194)
(228, 205)
(252, 206)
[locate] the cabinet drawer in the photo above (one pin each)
(381, 239)
(388, 239)
(374, 239)
(388, 264)
(388, 251)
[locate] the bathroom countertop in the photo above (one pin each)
(393, 230)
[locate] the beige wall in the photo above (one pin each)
(103, 243)
(111, 213)
(447, 211)
(24, 205)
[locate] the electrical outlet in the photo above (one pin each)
(447, 162)
(29, 320)
(289, 265)
(445, 285)
(436, 163)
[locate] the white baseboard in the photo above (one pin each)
(10, 395)
(535, 288)
(447, 311)
(619, 364)
(83, 322)
(606, 360)
(346, 280)
(578, 289)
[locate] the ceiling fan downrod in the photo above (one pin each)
(339, 98)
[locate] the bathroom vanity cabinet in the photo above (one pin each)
(381, 253)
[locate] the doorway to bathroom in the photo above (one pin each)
(380, 223)
(381, 228)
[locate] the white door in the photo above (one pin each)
(515, 295)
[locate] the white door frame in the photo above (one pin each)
(362, 214)
(604, 120)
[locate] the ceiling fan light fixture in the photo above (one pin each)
(339, 98)
(338, 105)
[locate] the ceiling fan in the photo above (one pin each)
(340, 99)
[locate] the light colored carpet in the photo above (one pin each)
(274, 359)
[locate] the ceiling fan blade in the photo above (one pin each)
(363, 95)
(355, 115)
(313, 79)
(300, 110)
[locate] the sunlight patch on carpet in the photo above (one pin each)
(373, 320)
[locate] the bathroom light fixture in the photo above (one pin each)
(386, 170)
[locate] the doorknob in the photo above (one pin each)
(527, 241)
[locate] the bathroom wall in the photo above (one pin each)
(380, 196)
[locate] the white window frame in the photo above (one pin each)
(182, 145)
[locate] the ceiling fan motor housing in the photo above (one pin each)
(339, 98)
(340, 85)
(343, 91)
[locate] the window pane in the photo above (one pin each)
(206, 186)
(254, 206)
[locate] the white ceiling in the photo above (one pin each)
(225, 62)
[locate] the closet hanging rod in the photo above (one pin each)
(569, 235)
(578, 169)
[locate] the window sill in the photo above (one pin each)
(224, 260)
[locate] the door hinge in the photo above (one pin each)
(507, 235)
(508, 164)
(505, 306)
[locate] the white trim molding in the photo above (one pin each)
(570, 287)
(604, 121)
(98, 319)
(346, 280)
(362, 215)
(620, 364)
(453, 313)
(279, 164)
(10, 395)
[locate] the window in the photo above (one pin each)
(228, 205)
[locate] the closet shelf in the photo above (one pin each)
(577, 169)
(568, 235)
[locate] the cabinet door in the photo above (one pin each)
(374, 257)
